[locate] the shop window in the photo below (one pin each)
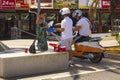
(116, 23)
(95, 24)
(7, 23)
(25, 21)
(50, 17)
(106, 22)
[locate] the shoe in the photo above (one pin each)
(71, 63)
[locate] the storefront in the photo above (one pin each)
(25, 20)
(14, 13)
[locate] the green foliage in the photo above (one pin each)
(111, 32)
(118, 38)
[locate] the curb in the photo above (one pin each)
(115, 56)
(113, 52)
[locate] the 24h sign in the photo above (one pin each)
(8, 4)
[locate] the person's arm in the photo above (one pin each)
(78, 26)
(57, 25)
(63, 24)
(45, 27)
(60, 29)
(39, 20)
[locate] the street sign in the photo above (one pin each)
(8, 4)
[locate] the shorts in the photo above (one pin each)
(67, 43)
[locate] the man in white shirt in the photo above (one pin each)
(82, 26)
(66, 30)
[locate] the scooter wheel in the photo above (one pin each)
(97, 58)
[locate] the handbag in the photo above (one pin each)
(32, 47)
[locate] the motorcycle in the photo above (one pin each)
(90, 49)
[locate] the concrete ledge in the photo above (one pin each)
(19, 64)
(109, 42)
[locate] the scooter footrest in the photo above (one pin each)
(95, 39)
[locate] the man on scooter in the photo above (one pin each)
(82, 26)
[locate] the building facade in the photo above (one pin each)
(15, 13)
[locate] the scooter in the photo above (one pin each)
(90, 49)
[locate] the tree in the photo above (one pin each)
(93, 9)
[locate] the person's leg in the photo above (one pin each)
(69, 47)
(68, 43)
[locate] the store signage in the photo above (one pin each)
(8, 4)
(73, 4)
(22, 4)
(32, 2)
(0, 4)
(106, 4)
(83, 4)
(46, 4)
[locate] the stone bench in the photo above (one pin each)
(20, 63)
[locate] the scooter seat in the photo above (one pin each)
(95, 39)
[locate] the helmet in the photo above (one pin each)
(64, 11)
(77, 13)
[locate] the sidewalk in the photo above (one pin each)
(108, 42)
(25, 43)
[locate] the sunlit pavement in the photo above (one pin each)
(81, 68)
(76, 72)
